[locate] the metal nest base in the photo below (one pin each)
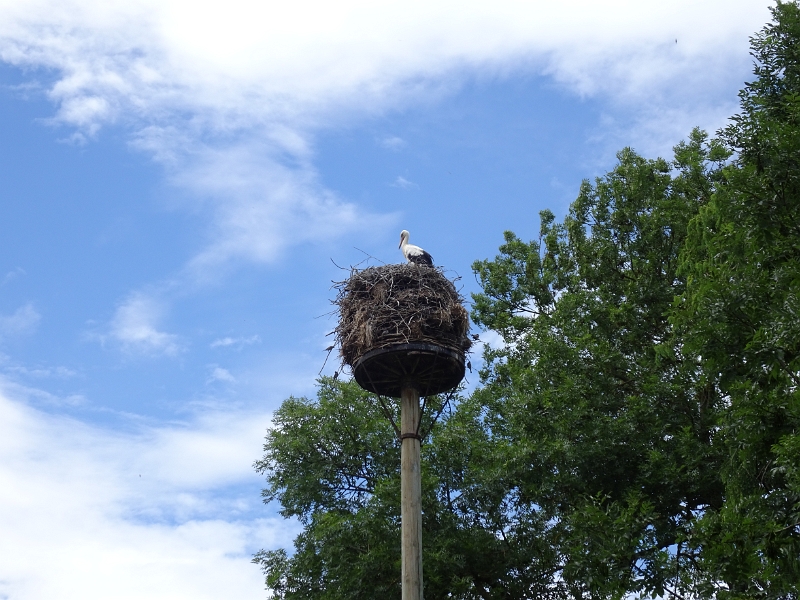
(428, 368)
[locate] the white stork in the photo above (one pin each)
(414, 254)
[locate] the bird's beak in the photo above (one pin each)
(401, 242)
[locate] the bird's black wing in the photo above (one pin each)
(421, 259)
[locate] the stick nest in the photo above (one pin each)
(397, 304)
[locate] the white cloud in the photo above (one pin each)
(260, 205)
(38, 395)
(655, 130)
(151, 514)
(237, 341)
(13, 274)
(229, 97)
(220, 374)
(393, 143)
(42, 372)
(402, 182)
(23, 320)
(280, 63)
(134, 326)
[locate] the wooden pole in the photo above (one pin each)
(410, 495)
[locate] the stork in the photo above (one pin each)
(414, 254)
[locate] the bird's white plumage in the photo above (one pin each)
(414, 254)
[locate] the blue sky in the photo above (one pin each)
(178, 179)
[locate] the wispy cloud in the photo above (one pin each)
(236, 342)
(260, 205)
(42, 372)
(403, 183)
(157, 513)
(134, 326)
(393, 143)
(13, 274)
(24, 320)
(220, 374)
(36, 395)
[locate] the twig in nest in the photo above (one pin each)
(370, 255)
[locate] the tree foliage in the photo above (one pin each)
(741, 313)
(333, 462)
(607, 426)
(636, 432)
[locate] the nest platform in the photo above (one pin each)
(402, 325)
(428, 368)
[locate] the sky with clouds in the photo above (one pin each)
(180, 181)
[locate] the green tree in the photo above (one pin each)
(333, 462)
(605, 428)
(741, 314)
